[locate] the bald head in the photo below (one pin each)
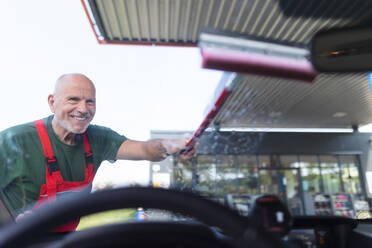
(67, 80)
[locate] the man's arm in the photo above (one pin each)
(153, 150)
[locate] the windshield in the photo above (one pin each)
(280, 128)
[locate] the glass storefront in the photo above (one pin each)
(226, 175)
(350, 175)
(330, 170)
(207, 173)
(309, 184)
(247, 176)
(310, 173)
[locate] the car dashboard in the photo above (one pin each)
(306, 232)
(205, 224)
(320, 231)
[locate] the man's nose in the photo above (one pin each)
(82, 107)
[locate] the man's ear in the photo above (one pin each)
(51, 102)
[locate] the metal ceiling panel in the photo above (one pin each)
(178, 22)
(333, 101)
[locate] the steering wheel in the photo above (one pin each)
(243, 231)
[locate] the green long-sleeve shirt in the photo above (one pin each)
(22, 160)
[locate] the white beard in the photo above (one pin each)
(66, 125)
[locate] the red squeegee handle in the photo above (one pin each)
(207, 120)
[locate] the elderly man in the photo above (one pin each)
(60, 154)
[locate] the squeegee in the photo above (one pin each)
(239, 53)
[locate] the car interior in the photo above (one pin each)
(305, 42)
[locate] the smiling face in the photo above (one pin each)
(73, 103)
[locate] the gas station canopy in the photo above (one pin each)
(331, 101)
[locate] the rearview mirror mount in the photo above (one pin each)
(342, 50)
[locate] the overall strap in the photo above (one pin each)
(44, 138)
(47, 146)
(87, 151)
(89, 162)
(53, 175)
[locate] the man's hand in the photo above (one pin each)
(176, 146)
(189, 154)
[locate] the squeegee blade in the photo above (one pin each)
(245, 54)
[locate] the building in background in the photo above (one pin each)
(314, 173)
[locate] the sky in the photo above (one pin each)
(139, 88)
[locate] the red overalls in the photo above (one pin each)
(54, 180)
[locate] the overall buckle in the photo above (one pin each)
(52, 165)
